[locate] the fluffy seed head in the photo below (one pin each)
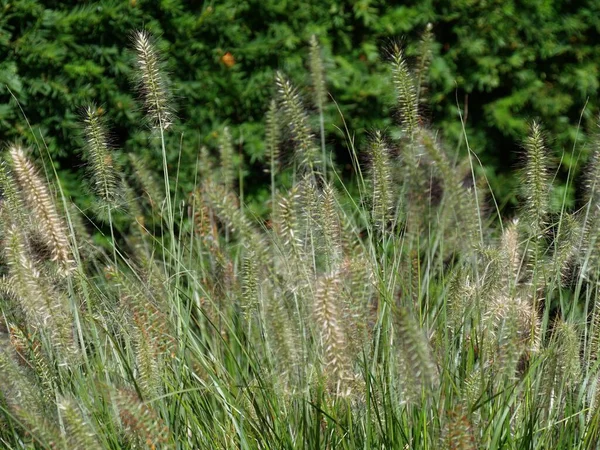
(141, 423)
(592, 182)
(79, 433)
(317, 73)
(513, 329)
(333, 337)
(250, 283)
(297, 122)
(459, 430)
(416, 360)
(329, 221)
(226, 154)
(405, 91)
(99, 155)
(24, 401)
(152, 84)
(425, 57)
(44, 307)
(272, 133)
(566, 352)
(39, 200)
(512, 253)
(286, 224)
(381, 180)
(146, 180)
(537, 180)
(11, 204)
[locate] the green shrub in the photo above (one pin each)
(504, 63)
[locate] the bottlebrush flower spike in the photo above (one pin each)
(38, 199)
(152, 84)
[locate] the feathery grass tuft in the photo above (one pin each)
(147, 182)
(272, 144)
(141, 423)
(317, 75)
(381, 180)
(100, 157)
(44, 307)
(406, 92)
(333, 337)
(152, 84)
(80, 434)
(37, 196)
(307, 154)
(425, 55)
(536, 186)
(226, 154)
(419, 373)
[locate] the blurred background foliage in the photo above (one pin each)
(499, 63)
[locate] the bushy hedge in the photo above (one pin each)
(502, 63)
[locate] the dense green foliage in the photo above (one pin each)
(506, 62)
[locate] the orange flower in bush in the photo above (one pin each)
(228, 59)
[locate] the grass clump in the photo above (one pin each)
(404, 317)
